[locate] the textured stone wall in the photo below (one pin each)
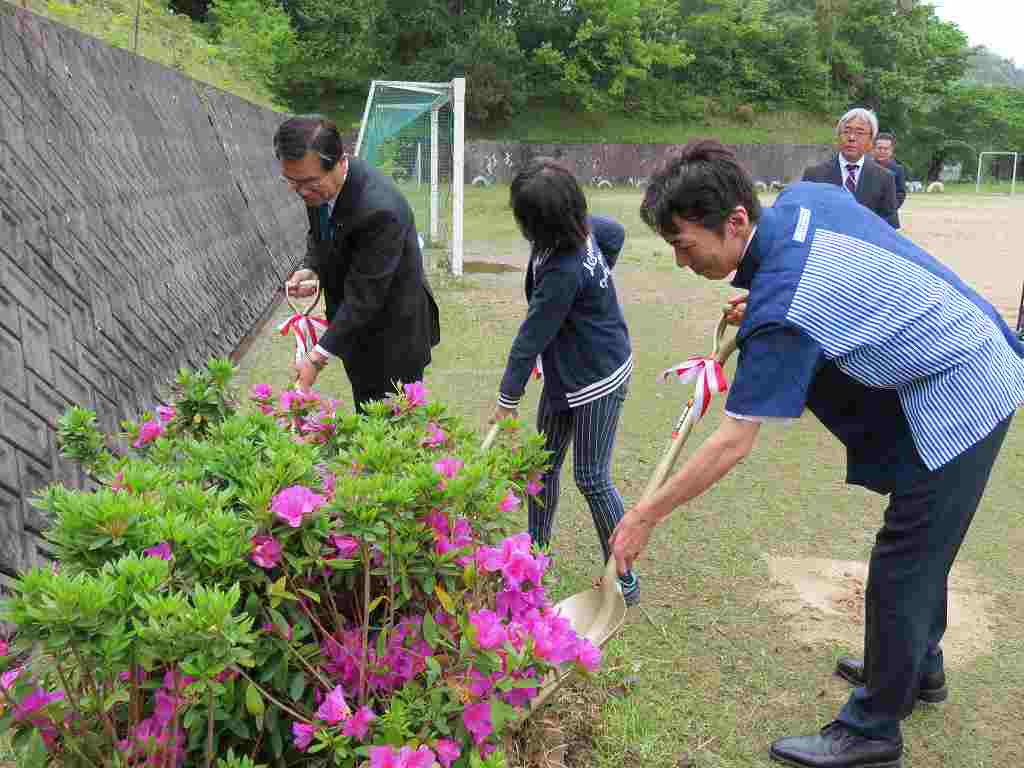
(630, 164)
(143, 227)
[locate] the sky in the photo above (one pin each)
(996, 24)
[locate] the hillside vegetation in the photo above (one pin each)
(746, 71)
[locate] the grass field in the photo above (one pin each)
(724, 657)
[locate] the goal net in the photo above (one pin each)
(414, 133)
(997, 172)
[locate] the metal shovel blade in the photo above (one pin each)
(598, 613)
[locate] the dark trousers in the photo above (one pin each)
(905, 601)
(591, 428)
(377, 386)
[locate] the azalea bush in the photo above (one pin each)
(286, 583)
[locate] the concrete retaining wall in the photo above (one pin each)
(142, 228)
(630, 164)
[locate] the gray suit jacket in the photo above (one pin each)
(876, 187)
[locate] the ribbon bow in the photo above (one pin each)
(307, 331)
(710, 380)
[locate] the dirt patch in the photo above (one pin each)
(823, 600)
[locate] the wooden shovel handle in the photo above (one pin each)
(719, 351)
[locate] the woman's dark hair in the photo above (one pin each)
(309, 133)
(549, 205)
(703, 183)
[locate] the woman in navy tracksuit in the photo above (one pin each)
(575, 324)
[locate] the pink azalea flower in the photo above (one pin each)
(8, 678)
(490, 633)
(294, 502)
(165, 413)
(415, 394)
(148, 432)
(534, 486)
(435, 436)
(358, 725)
(266, 552)
(303, 735)
(383, 757)
(509, 503)
(477, 719)
(448, 467)
(588, 655)
(161, 551)
(296, 399)
(5, 649)
(447, 751)
(346, 545)
(261, 392)
(119, 484)
(334, 709)
(420, 758)
(462, 533)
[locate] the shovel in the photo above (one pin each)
(599, 612)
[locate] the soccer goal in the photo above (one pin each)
(997, 172)
(415, 133)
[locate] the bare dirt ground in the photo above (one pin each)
(824, 600)
(975, 236)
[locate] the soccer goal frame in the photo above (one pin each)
(1013, 179)
(454, 93)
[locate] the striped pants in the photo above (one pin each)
(591, 428)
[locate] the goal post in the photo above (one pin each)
(997, 169)
(415, 133)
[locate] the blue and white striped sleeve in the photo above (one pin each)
(773, 378)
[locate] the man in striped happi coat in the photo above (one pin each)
(912, 370)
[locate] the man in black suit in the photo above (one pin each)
(363, 247)
(885, 148)
(853, 168)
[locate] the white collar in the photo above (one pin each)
(843, 162)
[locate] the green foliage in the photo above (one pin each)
(235, 567)
(618, 45)
(256, 35)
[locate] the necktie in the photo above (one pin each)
(851, 178)
(325, 223)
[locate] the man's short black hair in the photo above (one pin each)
(309, 133)
(549, 205)
(703, 183)
(891, 138)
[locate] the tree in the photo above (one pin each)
(619, 44)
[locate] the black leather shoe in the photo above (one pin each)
(837, 747)
(933, 686)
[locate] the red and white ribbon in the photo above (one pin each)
(307, 331)
(538, 369)
(709, 376)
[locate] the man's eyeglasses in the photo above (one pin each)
(305, 184)
(856, 133)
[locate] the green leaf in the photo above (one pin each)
(430, 631)
(254, 701)
(34, 755)
(298, 685)
(375, 602)
(311, 595)
(445, 599)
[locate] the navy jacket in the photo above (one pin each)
(574, 322)
(876, 187)
(382, 313)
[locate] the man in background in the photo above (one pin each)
(853, 168)
(884, 154)
(363, 248)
